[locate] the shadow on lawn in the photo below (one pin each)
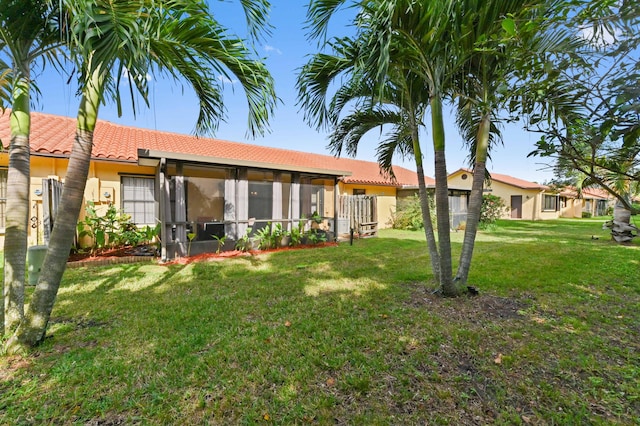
(347, 334)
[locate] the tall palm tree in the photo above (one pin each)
(481, 96)
(455, 47)
(394, 103)
(28, 32)
(428, 34)
(177, 37)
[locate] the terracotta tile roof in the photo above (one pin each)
(593, 193)
(509, 180)
(53, 135)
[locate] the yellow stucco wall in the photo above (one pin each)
(531, 198)
(386, 196)
(104, 177)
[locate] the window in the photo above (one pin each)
(138, 199)
(359, 191)
(3, 196)
(550, 203)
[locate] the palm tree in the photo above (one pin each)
(27, 33)
(423, 36)
(456, 48)
(394, 103)
(177, 37)
(490, 63)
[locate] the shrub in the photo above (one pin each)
(586, 215)
(244, 242)
(296, 234)
(112, 230)
(408, 214)
(492, 209)
(316, 236)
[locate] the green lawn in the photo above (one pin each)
(347, 335)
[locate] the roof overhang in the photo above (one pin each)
(150, 157)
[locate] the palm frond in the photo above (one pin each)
(178, 38)
(350, 130)
(319, 13)
(318, 75)
(257, 17)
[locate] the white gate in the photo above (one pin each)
(358, 213)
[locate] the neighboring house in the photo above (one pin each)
(196, 185)
(524, 199)
(590, 201)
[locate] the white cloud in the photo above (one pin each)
(269, 48)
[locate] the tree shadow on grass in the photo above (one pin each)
(331, 335)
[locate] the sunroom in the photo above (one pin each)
(202, 201)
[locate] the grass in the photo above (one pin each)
(347, 335)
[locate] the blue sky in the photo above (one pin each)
(173, 108)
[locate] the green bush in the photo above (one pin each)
(113, 230)
(270, 236)
(492, 209)
(408, 214)
(586, 215)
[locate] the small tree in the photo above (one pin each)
(492, 209)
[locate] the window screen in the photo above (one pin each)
(138, 199)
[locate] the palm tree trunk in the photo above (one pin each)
(447, 284)
(32, 330)
(475, 201)
(424, 206)
(17, 209)
(622, 231)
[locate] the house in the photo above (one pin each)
(197, 186)
(532, 201)
(524, 199)
(588, 202)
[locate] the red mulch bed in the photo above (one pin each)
(236, 253)
(100, 254)
(127, 252)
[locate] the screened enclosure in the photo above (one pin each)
(202, 205)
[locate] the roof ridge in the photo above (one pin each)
(211, 138)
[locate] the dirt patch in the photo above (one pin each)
(11, 365)
(79, 324)
(468, 306)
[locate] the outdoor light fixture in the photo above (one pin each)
(107, 194)
(38, 192)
